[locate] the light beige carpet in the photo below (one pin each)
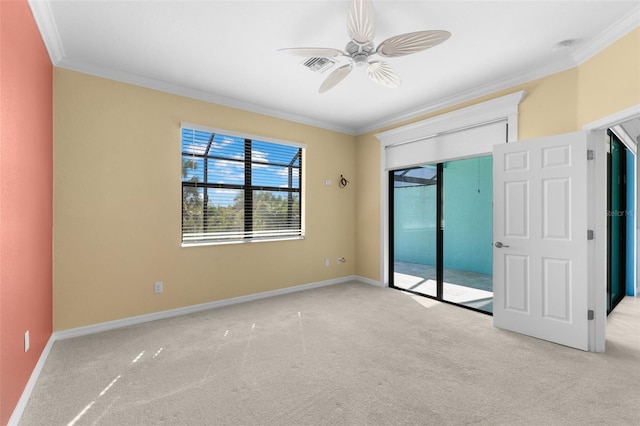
(348, 354)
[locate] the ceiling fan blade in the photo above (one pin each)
(405, 44)
(382, 73)
(362, 22)
(335, 77)
(313, 52)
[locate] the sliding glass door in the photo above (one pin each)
(467, 200)
(441, 226)
(415, 231)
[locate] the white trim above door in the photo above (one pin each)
(467, 132)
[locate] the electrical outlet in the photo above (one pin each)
(340, 260)
(26, 341)
(327, 262)
(158, 287)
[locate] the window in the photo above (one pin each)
(238, 188)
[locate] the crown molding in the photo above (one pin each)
(487, 89)
(43, 15)
(197, 94)
(46, 23)
(603, 40)
(617, 30)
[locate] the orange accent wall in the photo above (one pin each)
(26, 199)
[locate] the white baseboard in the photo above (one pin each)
(26, 393)
(370, 281)
(125, 322)
(112, 325)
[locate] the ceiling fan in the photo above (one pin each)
(361, 49)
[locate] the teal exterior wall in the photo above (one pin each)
(468, 215)
(415, 224)
(468, 218)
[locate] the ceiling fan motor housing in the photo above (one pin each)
(359, 52)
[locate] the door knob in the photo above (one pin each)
(500, 245)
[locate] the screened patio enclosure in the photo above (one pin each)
(442, 231)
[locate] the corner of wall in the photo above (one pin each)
(26, 114)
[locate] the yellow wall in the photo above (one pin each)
(117, 171)
(559, 103)
(610, 81)
(117, 192)
(368, 207)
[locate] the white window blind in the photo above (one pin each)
(238, 188)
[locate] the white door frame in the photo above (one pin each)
(598, 209)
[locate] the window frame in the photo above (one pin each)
(247, 235)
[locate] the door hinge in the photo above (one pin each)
(589, 234)
(590, 154)
(590, 315)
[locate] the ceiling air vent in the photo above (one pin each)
(318, 64)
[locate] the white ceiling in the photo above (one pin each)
(226, 51)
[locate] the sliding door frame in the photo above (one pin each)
(439, 234)
(439, 239)
(504, 109)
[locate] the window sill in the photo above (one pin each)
(246, 241)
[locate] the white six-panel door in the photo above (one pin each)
(540, 235)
